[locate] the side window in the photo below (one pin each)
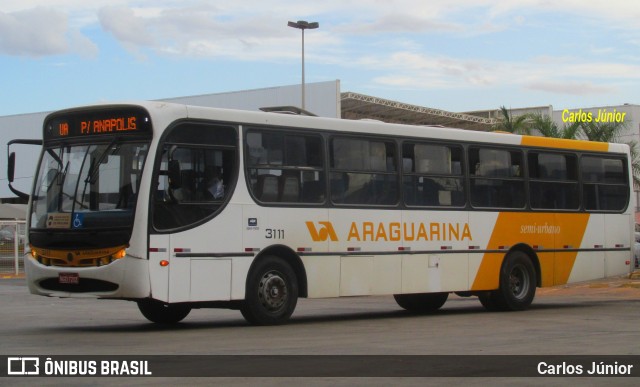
(195, 174)
(496, 179)
(605, 186)
(553, 181)
(432, 175)
(363, 171)
(285, 167)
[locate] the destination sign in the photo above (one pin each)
(123, 121)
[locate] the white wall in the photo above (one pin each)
(322, 98)
(631, 118)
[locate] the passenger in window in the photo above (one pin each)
(187, 187)
(214, 186)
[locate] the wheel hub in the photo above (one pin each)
(272, 291)
(518, 282)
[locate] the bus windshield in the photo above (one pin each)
(88, 186)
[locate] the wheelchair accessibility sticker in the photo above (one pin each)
(78, 220)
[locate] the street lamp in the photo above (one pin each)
(303, 25)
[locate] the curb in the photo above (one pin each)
(11, 276)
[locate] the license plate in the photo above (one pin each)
(69, 278)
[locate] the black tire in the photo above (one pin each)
(162, 313)
(422, 302)
(271, 294)
(490, 302)
(517, 285)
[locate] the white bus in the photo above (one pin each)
(179, 207)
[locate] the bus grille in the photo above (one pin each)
(85, 285)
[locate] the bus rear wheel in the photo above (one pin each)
(422, 302)
(517, 285)
(161, 313)
(271, 294)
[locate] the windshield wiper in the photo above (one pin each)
(95, 167)
(95, 163)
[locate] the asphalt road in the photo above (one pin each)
(595, 318)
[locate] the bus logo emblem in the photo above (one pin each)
(325, 232)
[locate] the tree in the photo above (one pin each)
(549, 128)
(508, 123)
(603, 131)
(592, 131)
(610, 132)
(635, 164)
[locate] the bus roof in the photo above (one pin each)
(163, 113)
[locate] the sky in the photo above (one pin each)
(456, 55)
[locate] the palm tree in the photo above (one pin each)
(603, 131)
(508, 123)
(635, 164)
(593, 131)
(549, 128)
(610, 132)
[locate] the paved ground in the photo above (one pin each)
(594, 318)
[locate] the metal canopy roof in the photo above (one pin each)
(356, 106)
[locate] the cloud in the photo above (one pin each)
(36, 32)
(40, 32)
(404, 43)
(125, 25)
(558, 75)
(399, 22)
(207, 30)
(192, 31)
(181, 25)
(571, 87)
(422, 70)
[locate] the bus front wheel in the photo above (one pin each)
(271, 294)
(161, 313)
(517, 285)
(421, 303)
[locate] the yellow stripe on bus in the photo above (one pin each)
(561, 143)
(545, 231)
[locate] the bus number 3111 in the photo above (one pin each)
(273, 233)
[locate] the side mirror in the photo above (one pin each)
(11, 166)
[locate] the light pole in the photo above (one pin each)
(303, 25)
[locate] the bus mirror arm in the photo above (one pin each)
(19, 194)
(11, 164)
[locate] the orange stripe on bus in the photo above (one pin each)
(561, 143)
(547, 229)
